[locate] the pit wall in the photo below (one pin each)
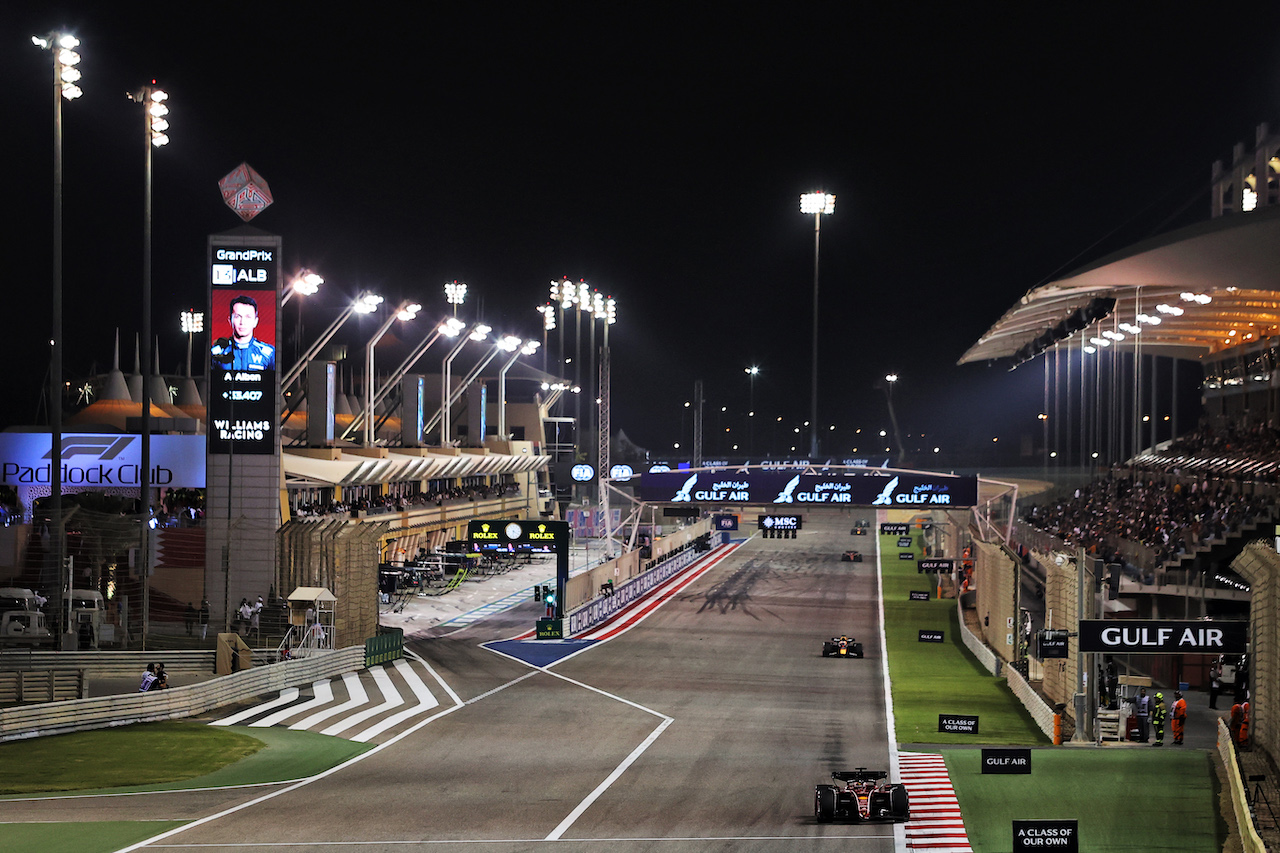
(631, 577)
(995, 581)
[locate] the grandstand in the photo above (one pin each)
(1176, 523)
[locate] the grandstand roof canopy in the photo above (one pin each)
(1234, 260)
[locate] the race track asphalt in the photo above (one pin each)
(703, 727)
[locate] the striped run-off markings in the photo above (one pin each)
(407, 695)
(936, 824)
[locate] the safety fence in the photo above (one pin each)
(50, 718)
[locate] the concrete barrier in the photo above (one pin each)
(74, 715)
(1249, 838)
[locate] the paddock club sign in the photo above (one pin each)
(1161, 637)
(873, 488)
(101, 461)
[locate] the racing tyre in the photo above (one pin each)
(899, 806)
(824, 803)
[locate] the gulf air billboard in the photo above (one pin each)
(903, 489)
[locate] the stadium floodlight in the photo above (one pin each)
(305, 283)
(455, 293)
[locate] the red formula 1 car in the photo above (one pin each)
(865, 796)
(851, 557)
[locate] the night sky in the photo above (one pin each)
(656, 153)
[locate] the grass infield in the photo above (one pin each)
(80, 837)
(177, 755)
(1124, 799)
(929, 679)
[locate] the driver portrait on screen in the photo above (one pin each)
(243, 351)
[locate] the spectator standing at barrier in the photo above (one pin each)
(1234, 723)
(254, 613)
(1158, 715)
(148, 678)
(245, 612)
(1215, 684)
(204, 618)
(189, 618)
(1179, 717)
(1243, 741)
(1142, 710)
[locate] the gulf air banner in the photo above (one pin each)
(902, 489)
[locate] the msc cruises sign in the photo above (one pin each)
(869, 487)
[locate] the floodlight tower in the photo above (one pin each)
(819, 204)
(154, 125)
(65, 76)
(192, 323)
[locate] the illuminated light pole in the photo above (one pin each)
(65, 77)
(154, 126)
(192, 324)
(406, 312)
(450, 328)
(521, 348)
(818, 204)
(478, 333)
(455, 293)
(608, 312)
(305, 283)
(365, 303)
(889, 381)
(752, 372)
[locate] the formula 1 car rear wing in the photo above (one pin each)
(861, 774)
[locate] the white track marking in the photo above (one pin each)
(425, 703)
(899, 833)
(355, 698)
(286, 696)
(391, 698)
(323, 691)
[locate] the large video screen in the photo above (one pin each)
(243, 367)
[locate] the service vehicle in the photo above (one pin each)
(861, 795)
(841, 647)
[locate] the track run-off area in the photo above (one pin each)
(700, 719)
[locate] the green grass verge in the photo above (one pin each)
(177, 755)
(1125, 799)
(929, 679)
(99, 837)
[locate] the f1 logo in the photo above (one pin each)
(103, 447)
